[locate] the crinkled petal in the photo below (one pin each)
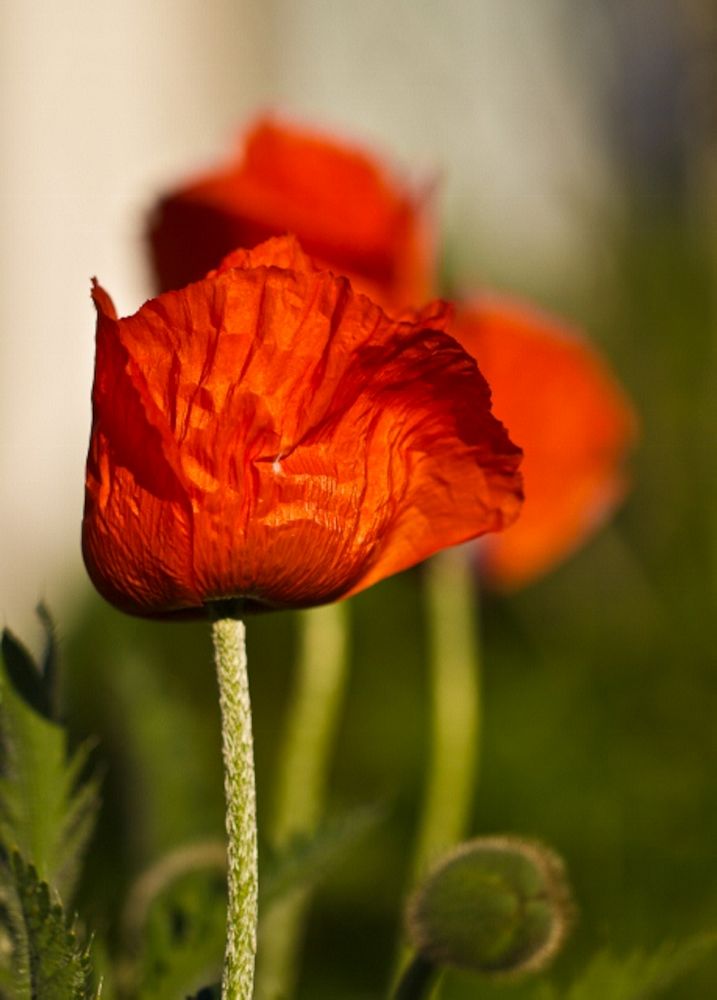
(306, 444)
(135, 503)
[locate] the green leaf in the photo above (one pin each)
(24, 674)
(637, 976)
(47, 811)
(175, 925)
(35, 683)
(48, 962)
(307, 858)
(49, 661)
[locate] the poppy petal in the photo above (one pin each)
(305, 444)
(571, 417)
(345, 207)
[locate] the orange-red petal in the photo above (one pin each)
(346, 209)
(271, 435)
(572, 420)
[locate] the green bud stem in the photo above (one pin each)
(417, 981)
(229, 638)
(454, 658)
(304, 761)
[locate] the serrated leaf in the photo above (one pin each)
(181, 946)
(35, 683)
(637, 976)
(175, 920)
(308, 857)
(49, 661)
(48, 962)
(46, 812)
(23, 674)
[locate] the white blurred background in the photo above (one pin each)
(104, 105)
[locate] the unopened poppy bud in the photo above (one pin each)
(496, 905)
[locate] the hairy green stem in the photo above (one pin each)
(455, 704)
(229, 638)
(304, 763)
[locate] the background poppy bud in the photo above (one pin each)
(497, 905)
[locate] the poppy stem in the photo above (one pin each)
(455, 692)
(229, 638)
(304, 761)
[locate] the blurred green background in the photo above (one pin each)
(600, 684)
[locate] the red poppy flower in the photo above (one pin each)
(567, 412)
(346, 210)
(271, 435)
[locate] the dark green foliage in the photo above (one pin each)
(47, 813)
(170, 754)
(47, 960)
(308, 858)
(637, 976)
(35, 683)
(417, 979)
(47, 806)
(173, 927)
(208, 993)
(178, 945)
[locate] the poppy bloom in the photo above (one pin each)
(268, 434)
(567, 412)
(347, 211)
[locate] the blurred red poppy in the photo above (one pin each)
(572, 419)
(271, 435)
(347, 211)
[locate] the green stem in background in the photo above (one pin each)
(304, 762)
(417, 981)
(229, 638)
(455, 692)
